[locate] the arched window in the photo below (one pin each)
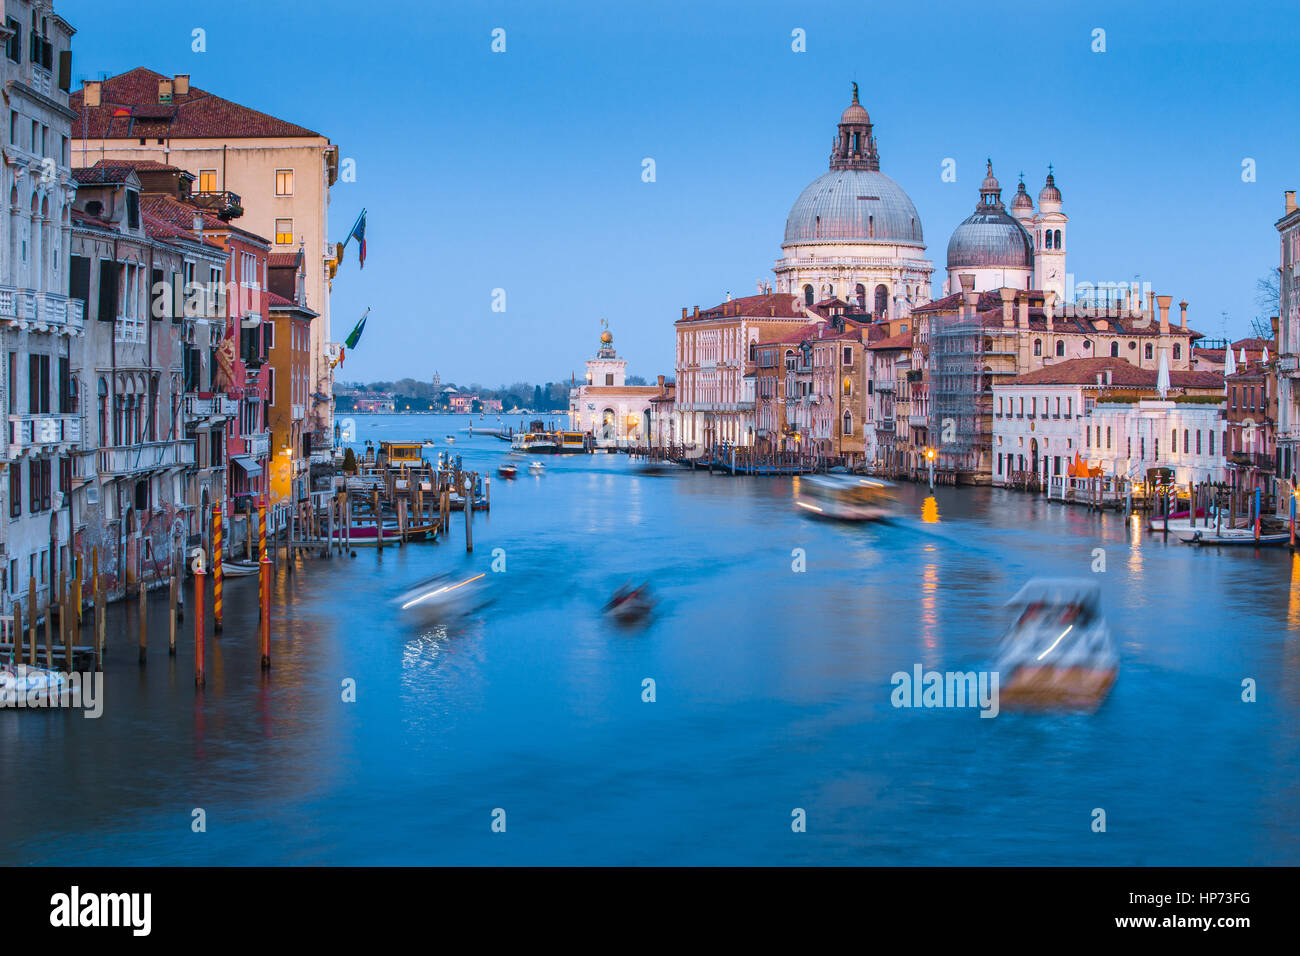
(848, 423)
(1148, 350)
(848, 386)
(882, 300)
(808, 295)
(1038, 346)
(860, 292)
(1047, 240)
(1178, 350)
(1057, 242)
(871, 227)
(102, 391)
(1114, 349)
(1060, 347)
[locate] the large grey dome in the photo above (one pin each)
(989, 238)
(854, 205)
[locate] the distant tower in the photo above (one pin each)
(1049, 239)
(437, 381)
(606, 368)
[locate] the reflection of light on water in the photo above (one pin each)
(1293, 595)
(929, 617)
(424, 650)
(930, 511)
(1135, 546)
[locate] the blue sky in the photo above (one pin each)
(522, 170)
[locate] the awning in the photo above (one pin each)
(251, 468)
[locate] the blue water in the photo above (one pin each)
(772, 693)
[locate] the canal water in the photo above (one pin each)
(772, 694)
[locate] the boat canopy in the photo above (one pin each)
(1058, 592)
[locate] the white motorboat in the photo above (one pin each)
(1229, 536)
(450, 439)
(442, 597)
(237, 569)
(847, 497)
(536, 468)
(32, 684)
(1059, 652)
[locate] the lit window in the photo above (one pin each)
(284, 182)
(283, 232)
(207, 180)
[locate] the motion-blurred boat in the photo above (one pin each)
(33, 684)
(536, 468)
(630, 605)
(655, 469)
(507, 471)
(847, 497)
(443, 596)
(450, 439)
(1059, 651)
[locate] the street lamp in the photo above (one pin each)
(929, 457)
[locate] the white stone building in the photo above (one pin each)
(42, 329)
(1128, 438)
(616, 414)
(1288, 358)
(853, 233)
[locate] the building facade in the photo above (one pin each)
(277, 174)
(617, 415)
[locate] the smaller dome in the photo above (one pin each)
(1049, 192)
(990, 183)
(1021, 199)
(856, 114)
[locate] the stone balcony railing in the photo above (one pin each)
(42, 433)
(145, 456)
(259, 445)
(41, 311)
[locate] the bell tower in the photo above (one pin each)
(1049, 239)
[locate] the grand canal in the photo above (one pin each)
(772, 692)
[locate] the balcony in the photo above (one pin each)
(43, 433)
(258, 445)
(41, 311)
(1288, 363)
(918, 421)
(146, 456)
(297, 411)
(223, 202)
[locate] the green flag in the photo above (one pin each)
(355, 337)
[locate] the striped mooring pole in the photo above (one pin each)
(216, 568)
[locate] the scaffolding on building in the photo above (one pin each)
(960, 406)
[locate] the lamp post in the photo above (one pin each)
(929, 457)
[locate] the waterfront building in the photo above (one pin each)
(1288, 345)
(1251, 444)
(461, 404)
(617, 415)
(41, 327)
(715, 374)
(287, 393)
(812, 387)
(890, 364)
(379, 402)
(853, 233)
(242, 315)
(278, 174)
(662, 414)
(132, 483)
(970, 341)
(1041, 420)
(1185, 435)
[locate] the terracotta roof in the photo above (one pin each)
(903, 340)
(1123, 373)
(284, 260)
(989, 309)
(781, 305)
(103, 173)
(821, 332)
(181, 216)
(197, 114)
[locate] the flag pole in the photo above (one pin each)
(348, 237)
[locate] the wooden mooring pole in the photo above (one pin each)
(144, 621)
(200, 677)
(217, 575)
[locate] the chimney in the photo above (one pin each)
(1290, 199)
(181, 84)
(164, 91)
(90, 95)
(697, 312)
(1008, 296)
(683, 312)
(1049, 308)
(661, 378)
(967, 287)
(1022, 317)
(1164, 301)
(1182, 315)
(1151, 308)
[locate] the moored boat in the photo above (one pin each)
(1058, 653)
(34, 684)
(847, 497)
(1231, 536)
